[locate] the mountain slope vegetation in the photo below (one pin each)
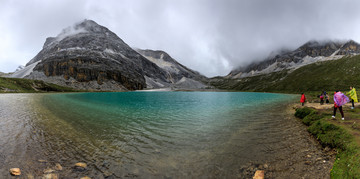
(326, 75)
(18, 85)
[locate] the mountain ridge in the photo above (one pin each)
(320, 76)
(310, 52)
(90, 56)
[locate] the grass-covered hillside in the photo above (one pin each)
(16, 85)
(327, 75)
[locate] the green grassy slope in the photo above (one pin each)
(327, 75)
(29, 86)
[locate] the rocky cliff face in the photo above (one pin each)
(90, 56)
(308, 53)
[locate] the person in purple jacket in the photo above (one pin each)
(339, 100)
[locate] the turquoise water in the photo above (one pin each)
(143, 134)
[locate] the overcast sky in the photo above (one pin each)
(209, 36)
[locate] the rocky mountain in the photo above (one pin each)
(179, 75)
(90, 56)
(329, 75)
(310, 52)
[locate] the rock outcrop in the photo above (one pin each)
(308, 53)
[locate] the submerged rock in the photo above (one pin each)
(259, 174)
(50, 176)
(80, 166)
(15, 171)
(30, 176)
(58, 167)
(49, 170)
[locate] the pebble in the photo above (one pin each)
(259, 174)
(15, 171)
(49, 170)
(50, 176)
(81, 165)
(30, 176)
(266, 165)
(86, 177)
(58, 167)
(42, 161)
(107, 174)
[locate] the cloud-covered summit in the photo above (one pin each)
(211, 37)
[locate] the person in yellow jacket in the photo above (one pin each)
(353, 96)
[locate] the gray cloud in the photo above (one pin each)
(210, 36)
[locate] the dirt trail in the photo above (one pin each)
(324, 106)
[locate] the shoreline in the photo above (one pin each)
(340, 135)
(304, 156)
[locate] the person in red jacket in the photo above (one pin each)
(303, 98)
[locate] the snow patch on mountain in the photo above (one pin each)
(24, 72)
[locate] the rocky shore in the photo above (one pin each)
(299, 155)
(50, 171)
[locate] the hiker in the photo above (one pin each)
(302, 99)
(326, 97)
(339, 100)
(353, 96)
(322, 98)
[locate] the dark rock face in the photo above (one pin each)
(88, 69)
(286, 59)
(350, 48)
(90, 52)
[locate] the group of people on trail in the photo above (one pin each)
(339, 100)
(323, 96)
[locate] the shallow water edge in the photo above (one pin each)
(135, 139)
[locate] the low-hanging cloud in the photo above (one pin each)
(70, 31)
(212, 37)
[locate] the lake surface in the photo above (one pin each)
(140, 134)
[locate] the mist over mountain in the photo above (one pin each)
(310, 52)
(90, 56)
